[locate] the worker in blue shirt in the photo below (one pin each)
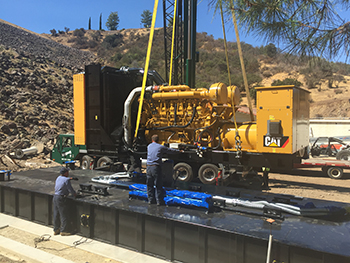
(155, 153)
(60, 214)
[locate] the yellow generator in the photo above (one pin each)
(203, 120)
(200, 121)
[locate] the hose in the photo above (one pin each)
(194, 132)
(294, 210)
(219, 136)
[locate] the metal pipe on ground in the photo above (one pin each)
(20, 153)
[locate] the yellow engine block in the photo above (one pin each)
(179, 114)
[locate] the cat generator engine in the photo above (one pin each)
(181, 115)
(204, 119)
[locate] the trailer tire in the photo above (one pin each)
(183, 172)
(104, 161)
(335, 172)
(207, 173)
(343, 155)
(85, 162)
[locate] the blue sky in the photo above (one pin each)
(41, 16)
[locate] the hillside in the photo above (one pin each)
(329, 83)
(35, 88)
(36, 76)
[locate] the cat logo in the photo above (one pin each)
(278, 142)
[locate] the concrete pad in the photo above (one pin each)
(89, 245)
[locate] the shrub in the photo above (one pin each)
(112, 41)
(81, 43)
(116, 57)
(287, 81)
(53, 32)
(338, 91)
(96, 35)
(79, 32)
(92, 44)
(267, 74)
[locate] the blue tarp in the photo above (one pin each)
(175, 197)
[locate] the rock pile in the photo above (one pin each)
(25, 42)
(36, 91)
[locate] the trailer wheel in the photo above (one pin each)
(183, 172)
(335, 172)
(85, 162)
(207, 173)
(103, 161)
(343, 155)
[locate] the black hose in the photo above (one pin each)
(219, 135)
(194, 132)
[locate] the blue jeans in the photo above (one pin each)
(60, 216)
(155, 184)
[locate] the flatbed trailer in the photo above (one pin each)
(333, 168)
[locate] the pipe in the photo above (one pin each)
(217, 93)
(172, 88)
(269, 249)
(127, 113)
(290, 209)
(19, 153)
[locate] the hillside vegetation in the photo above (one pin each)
(328, 82)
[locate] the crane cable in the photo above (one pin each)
(145, 73)
(242, 62)
(237, 137)
(225, 42)
(172, 44)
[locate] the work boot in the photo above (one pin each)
(65, 234)
(57, 232)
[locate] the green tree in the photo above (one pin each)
(112, 21)
(307, 28)
(100, 27)
(146, 18)
(271, 50)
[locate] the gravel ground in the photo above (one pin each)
(311, 183)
